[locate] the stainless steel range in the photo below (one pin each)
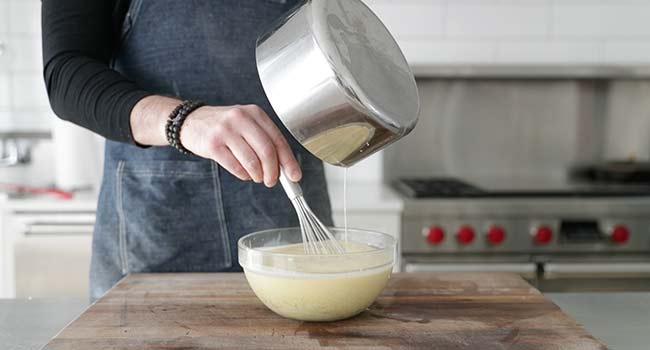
(551, 240)
(500, 177)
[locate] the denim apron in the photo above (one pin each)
(159, 210)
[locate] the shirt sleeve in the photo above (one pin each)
(79, 37)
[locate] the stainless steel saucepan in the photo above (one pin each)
(338, 80)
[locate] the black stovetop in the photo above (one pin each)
(441, 187)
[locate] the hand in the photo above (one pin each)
(243, 140)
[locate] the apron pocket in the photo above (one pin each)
(171, 217)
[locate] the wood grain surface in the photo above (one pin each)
(416, 311)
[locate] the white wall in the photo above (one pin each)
(368, 170)
(23, 101)
(520, 31)
(430, 32)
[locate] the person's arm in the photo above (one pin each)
(78, 41)
(242, 139)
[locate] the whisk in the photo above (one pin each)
(316, 237)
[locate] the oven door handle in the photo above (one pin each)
(527, 270)
(58, 230)
(596, 270)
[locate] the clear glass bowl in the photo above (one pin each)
(316, 287)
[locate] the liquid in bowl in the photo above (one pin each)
(307, 293)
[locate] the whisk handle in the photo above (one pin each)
(292, 189)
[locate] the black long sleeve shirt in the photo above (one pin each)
(80, 38)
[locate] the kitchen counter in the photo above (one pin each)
(621, 320)
(360, 197)
(29, 324)
(82, 202)
(415, 311)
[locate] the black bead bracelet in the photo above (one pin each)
(175, 123)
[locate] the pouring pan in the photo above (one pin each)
(337, 79)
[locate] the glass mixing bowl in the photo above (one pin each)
(316, 287)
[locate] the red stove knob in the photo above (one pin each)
(620, 234)
(543, 235)
(495, 235)
(465, 235)
(435, 235)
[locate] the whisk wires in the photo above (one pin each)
(316, 237)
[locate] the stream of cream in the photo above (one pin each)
(345, 204)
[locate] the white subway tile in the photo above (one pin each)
(482, 2)
(411, 19)
(5, 90)
(4, 53)
(4, 17)
(373, 3)
(532, 52)
(526, 2)
(496, 21)
(28, 91)
(469, 2)
(26, 53)
(579, 2)
(25, 17)
(622, 52)
(621, 2)
(5, 118)
(27, 120)
(422, 52)
(629, 20)
(367, 171)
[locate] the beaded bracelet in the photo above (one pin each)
(175, 123)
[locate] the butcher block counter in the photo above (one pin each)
(426, 311)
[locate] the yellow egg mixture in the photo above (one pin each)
(308, 295)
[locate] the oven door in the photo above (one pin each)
(595, 273)
(46, 254)
(518, 264)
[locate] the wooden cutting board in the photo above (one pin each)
(416, 311)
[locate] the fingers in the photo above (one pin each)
(285, 155)
(227, 160)
(246, 142)
(289, 162)
(265, 149)
(246, 157)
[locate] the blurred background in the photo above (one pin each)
(526, 104)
